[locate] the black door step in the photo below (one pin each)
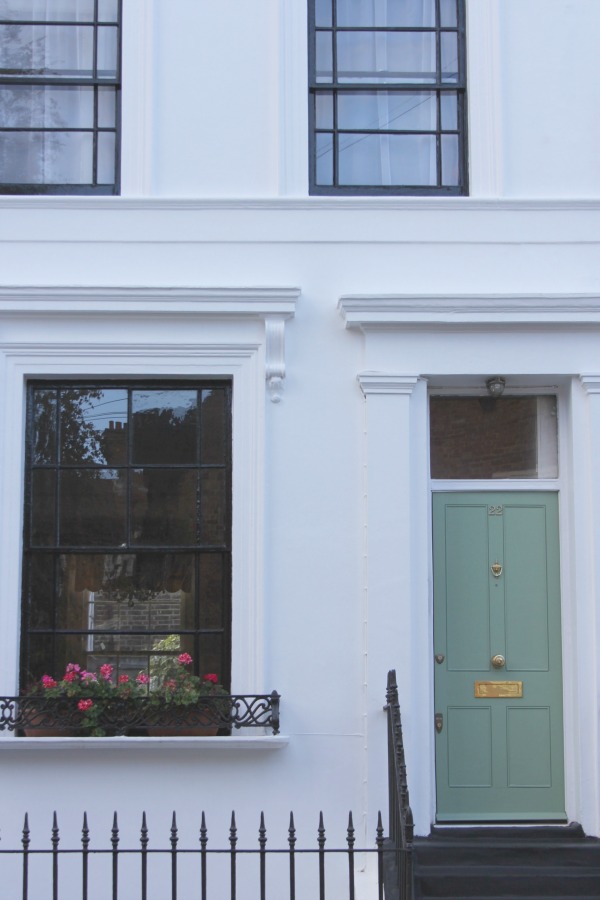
(510, 862)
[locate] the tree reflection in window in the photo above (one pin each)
(128, 532)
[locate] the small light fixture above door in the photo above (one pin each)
(495, 386)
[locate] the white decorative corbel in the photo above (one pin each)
(275, 356)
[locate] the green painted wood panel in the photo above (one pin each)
(498, 759)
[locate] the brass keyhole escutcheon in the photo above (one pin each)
(498, 661)
(496, 569)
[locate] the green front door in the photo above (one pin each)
(497, 647)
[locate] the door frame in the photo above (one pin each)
(553, 485)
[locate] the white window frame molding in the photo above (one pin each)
(73, 332)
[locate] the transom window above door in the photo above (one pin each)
(487, 437)
(388, 104)
(127, 544)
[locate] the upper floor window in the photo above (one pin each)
(388, 104)
(59, 96)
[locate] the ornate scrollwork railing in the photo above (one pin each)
(38, 715)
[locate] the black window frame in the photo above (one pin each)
(57, 549)
(95, 82)
(438, 88)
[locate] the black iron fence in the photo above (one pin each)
(399, 874)
(142, 872)
(42, 716)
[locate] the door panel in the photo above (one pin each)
(498, 758)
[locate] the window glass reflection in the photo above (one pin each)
(483, 437)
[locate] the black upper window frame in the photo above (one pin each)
(93, 80)
(345, 84)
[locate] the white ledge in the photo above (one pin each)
(261, 302)
(414, 204)
(429, 310)
(169, 744)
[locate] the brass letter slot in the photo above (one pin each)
(498, 688)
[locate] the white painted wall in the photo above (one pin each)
(212, 124)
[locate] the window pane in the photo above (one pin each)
(47, 50)
(386, 56)
(107, 115)
(211, 656)
(323, 12)
(43, 507)
(324, 158)
(46, 157)
(324, 110)
(92, 507)
(382, 110)
(371, 159)
(390, 13)
(213, 590)
(44, 426)
(449, 159)
(39, 106)
(164, 507)
(214, 438)
(41, 591)
(449, 111)
(213, 506)
(108, 10)
(57, 10)
(106, 157)
(130, 592)
(449, 46)
(448, 14)
(324, 72)
(107, 52)
(164, 426)
(93, 426)
(480, 437)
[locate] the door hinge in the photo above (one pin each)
(439, 722)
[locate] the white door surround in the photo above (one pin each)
(411, 343)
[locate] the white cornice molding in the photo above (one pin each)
(371, 311)
(386, 383)
(272, 305)
(329, 204)
(590, 383)
(213, 301)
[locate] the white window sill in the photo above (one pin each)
(201, 744)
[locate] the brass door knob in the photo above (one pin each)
(498, 661)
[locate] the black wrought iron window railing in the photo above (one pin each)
(39, 716)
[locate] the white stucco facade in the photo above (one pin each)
(334, 317)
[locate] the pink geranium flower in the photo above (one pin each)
(142, 678)
(184, 659)
(211, 677)
(123, 679)
(48, 681)
(106, 671)
(84, 705)
(70, 676)
(73, 667)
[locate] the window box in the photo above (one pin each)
(37, 716)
